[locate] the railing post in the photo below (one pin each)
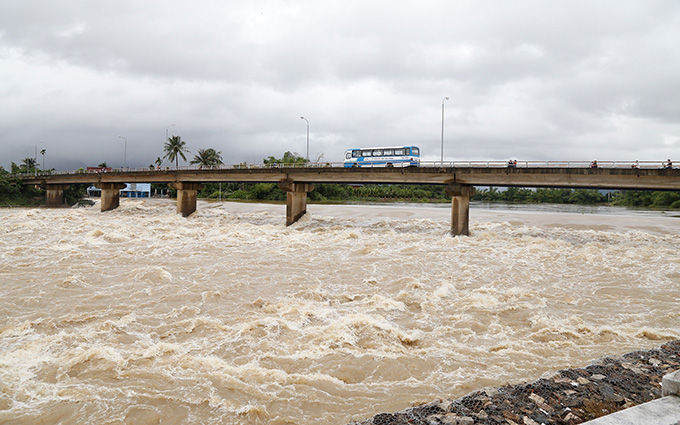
(460, 208)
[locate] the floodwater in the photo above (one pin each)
(140, 316)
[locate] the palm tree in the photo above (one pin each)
(42, 152)
(29, 164)
(174, 148)
(207, 158)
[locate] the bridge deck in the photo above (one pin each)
(604, 178)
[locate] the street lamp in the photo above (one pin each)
(303, 118)
(27, 157)
(36, 156)
(166, 131)
(442, 156)
(124, 152)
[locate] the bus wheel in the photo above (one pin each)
(390, 165)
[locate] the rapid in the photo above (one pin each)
(141, 316)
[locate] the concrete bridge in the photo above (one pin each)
(298, 179)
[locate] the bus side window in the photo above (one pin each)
(378, 152)
(400, 152)
(366, 153)
(356, 154)
(388, 152)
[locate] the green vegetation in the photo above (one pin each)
(29, 164)
(625, 198)
(75, 193)
(436, 193)
(324, 192)
(541, 196)
(13, 193)
(658, 200)
(288, 158)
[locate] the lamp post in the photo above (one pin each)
(166, 131)
(36, 156)
(124, 152)
(303, 118)
(27, 156)
(442, 153)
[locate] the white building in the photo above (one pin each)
(132, 190)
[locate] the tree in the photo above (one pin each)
(174, 148)
(586, 197)
(28, 165)
(103, 165)
(42, 152)
(664, 199)
(10, 188)
(13, 192)
(288, 158)
(207, 158)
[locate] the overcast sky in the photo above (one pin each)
(526, 79)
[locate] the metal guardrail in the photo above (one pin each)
(426, 164)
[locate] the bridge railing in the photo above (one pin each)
(426, 164)
(545, 164)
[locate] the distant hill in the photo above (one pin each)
(63, 164)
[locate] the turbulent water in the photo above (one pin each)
(140, 316)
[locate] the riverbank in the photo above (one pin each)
(570, 396)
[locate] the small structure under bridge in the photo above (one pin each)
(299, 179)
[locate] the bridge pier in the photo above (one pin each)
(110, 195)
(296, 199)
(460, 208)
(186, 196)
(55, 194)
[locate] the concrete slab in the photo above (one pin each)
(670, 385)
(662, 411)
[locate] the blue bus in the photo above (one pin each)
(392, 156)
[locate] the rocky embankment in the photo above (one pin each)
(570, 396)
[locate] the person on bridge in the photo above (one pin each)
(636, 164)
(593, 164)
(669, 164)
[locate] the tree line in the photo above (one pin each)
(436, 193)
